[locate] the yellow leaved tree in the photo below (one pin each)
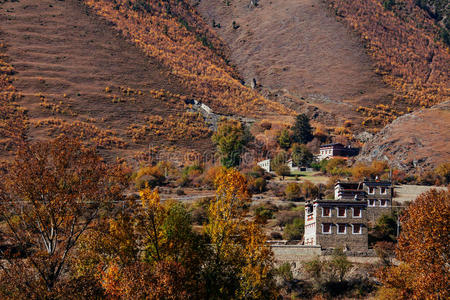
(241, 265)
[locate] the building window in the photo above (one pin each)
(341, 228)
(326, 228)
(372, 202)
(357, 229)
(383, 203)
(356, 212)
(383, 190)
(371, 190)
(341, 212)
(326, 212)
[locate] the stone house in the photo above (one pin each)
(329, 151)
(343, 222)
(337, 223)
(378, 195)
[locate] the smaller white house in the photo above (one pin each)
(265, 164)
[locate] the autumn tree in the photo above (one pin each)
(310, 190)
(301, 156)
(281, 158)
(241, 264)
(284, 139)
(283, 170)
(423, 248)
(293, 191)
(230, 138)
(148, 250)
(302, 130)
(49, 196)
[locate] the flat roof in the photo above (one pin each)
(334, 144)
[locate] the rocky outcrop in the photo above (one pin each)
(415, 142)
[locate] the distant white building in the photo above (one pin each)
(265, 164)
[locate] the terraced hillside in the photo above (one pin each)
(299, 54)
(79, 76)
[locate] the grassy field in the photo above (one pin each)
(315, 177)
(405, 192)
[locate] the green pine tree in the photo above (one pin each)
(302, 130)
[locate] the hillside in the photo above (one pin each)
(299, 55)
(414, 142)
(79, 76)
(121, 74)
(118, 75)
(367, 61)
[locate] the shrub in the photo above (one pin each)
(168, 169)
(257, 185)
(336, 166)
(294, 230)
(150, 175)
(286, 217)
(361, 170)
(285, 272)
(293, 191)
(190, 175)
(275, 235)
(384, 230)
(265, 125)
(443, 171)
(339, 265)
(283, 170)
(309, 190)
(262, 214)
(210, 174)
(199, 215)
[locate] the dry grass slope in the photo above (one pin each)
(165, 31)
(300, 55)
(79, 76)
(403, 41)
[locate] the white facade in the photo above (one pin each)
(265, 164)
(325, 153)
(310, 227)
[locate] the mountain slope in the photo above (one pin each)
(300, 55)
(79, 76)
(171, 32)
(414, 142)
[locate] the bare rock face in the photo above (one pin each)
(414, 142)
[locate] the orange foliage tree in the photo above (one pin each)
(423, 248)
(49, 196)
(148, 250)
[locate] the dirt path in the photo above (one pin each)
(68, 56)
